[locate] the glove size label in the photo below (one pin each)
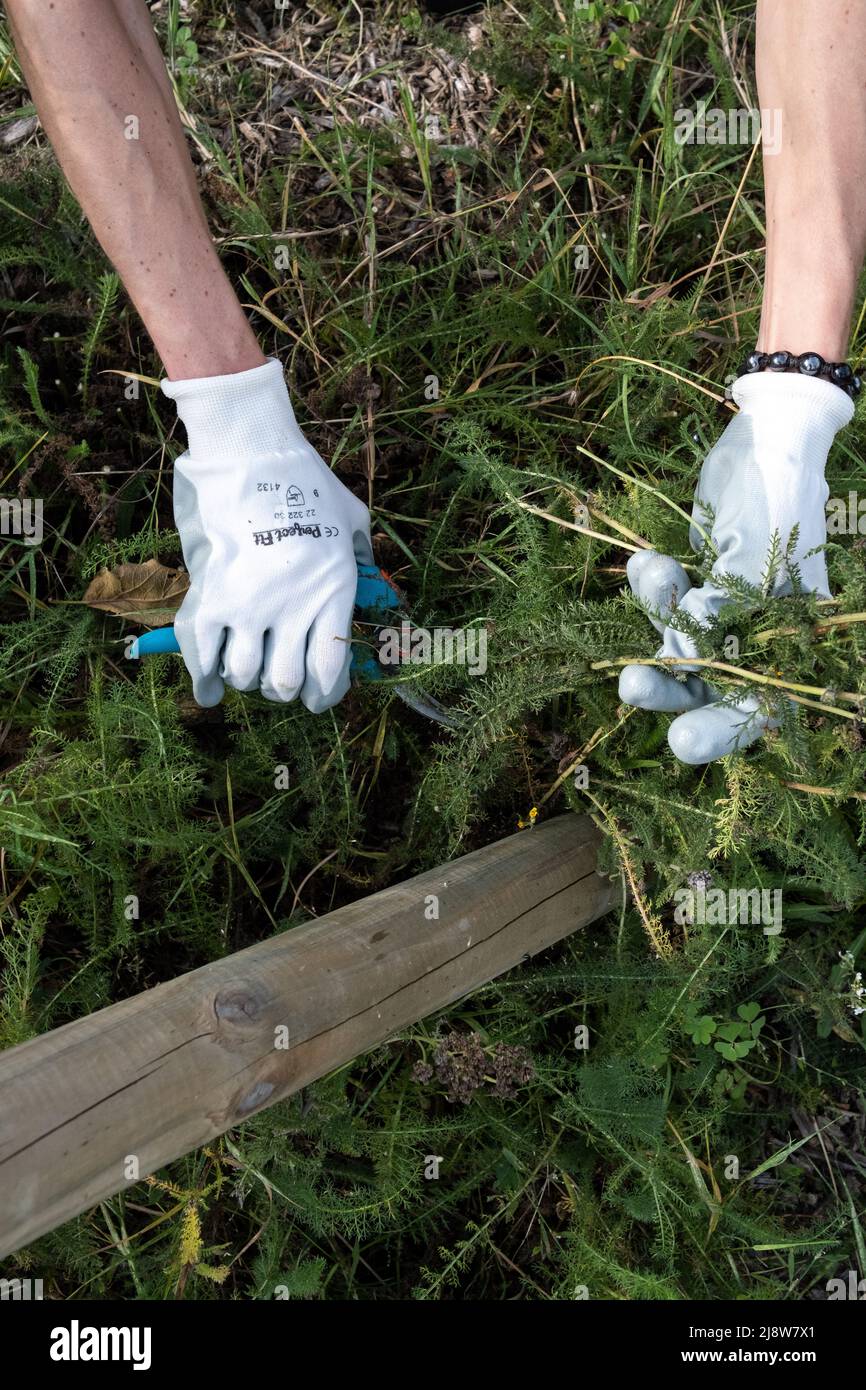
(293, 495)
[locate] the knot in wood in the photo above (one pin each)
(239, 1003)
(254, 1098)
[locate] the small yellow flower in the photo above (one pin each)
(190, 1238)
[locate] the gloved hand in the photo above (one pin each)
(271, 540)
(764, 477)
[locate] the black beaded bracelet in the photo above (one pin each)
(809, 364)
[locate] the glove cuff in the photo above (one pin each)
(240, 414)
(803, 405)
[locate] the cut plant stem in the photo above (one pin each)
(825, 791)
(587, 748)
(575, 526)
(617, 526)
(656, 492)
(741, 675)
(825, 625)
(653, 925)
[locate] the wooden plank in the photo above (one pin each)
(162, 1073)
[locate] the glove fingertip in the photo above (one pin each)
(363, 548)
(648, 688)
(208, 691)
(705, 735)
(325, 687)
(318, 700)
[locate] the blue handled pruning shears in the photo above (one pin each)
(379, 602)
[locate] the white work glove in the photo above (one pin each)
(271, 540)
(764, 477)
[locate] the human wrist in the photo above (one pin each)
(813, 364)
(237, 414)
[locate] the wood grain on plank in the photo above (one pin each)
(165, 1071)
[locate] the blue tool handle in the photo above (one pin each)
(375, 596)
(161, 639)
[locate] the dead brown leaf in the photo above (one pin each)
(149, 594)
(15, 131)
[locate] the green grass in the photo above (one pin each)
(452, 356)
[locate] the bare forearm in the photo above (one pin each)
(98, 80)
(811, 67)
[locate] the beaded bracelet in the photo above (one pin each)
(809, 363)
